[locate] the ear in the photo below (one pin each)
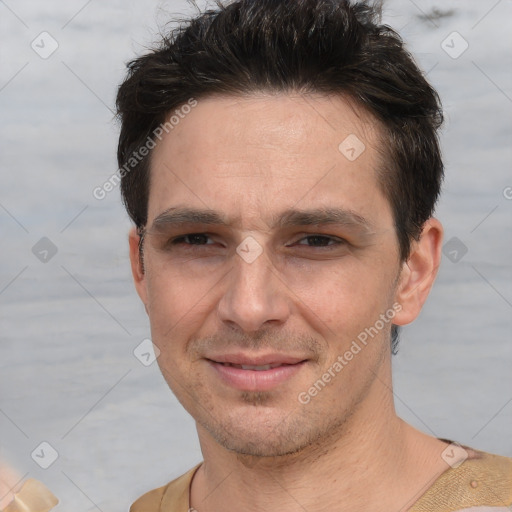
(139, 277)
(419, 272)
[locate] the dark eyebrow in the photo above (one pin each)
(288, 218)
(177, 216)
(323, 216)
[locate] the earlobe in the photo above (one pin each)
(419, 272)
(138, 274)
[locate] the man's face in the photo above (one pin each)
(268, 287)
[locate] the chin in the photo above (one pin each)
(251, 447)
(265, 433)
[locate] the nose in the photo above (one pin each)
(255, 297)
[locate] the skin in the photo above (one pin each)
(250, 159)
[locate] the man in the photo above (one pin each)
(280, 161)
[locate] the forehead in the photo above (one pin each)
(255, 156)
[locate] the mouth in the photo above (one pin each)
(256, 373)
(254, 367)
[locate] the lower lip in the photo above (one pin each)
(256, 380)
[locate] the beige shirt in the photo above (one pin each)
(482, 483)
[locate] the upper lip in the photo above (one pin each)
(256, 360)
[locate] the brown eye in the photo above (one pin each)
(191, 239)
(321, 241)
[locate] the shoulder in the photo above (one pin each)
(171, 497)
(482, 479)
(150, 501)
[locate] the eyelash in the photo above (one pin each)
(337, 241)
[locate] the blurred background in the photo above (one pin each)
(81, 408)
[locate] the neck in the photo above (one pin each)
(374, 461)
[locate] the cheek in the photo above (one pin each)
(174, 300)
(343, 300)
(335, 284)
